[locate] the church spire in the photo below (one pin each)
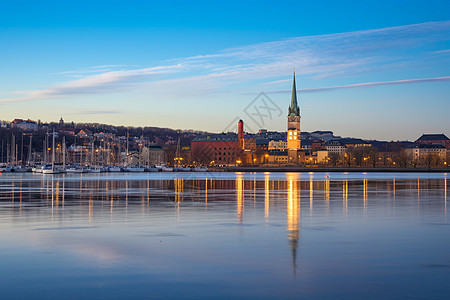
(294, 110)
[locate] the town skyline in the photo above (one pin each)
(385, 78)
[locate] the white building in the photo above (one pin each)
(335, 147)
(277, 145)
(419, 151)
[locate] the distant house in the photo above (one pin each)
(434, 139)
(335, 146)
(83, 134)
(277, 145)
(354, 143)
(69, 132)
(25, 125)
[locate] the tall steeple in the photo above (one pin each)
(293, 128)
(294, 110)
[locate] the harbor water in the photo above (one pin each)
(224, 235)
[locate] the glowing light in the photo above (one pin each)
(240, 197)
(266, 195)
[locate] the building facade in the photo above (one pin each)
(419, 152)
(216, 149)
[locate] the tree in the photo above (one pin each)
(359, 154)
(334, 158)
(374, 156)
(431, 159)
(402, 159)
(348, 157)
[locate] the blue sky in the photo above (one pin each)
(376, 69)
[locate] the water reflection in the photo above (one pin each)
(365, 194)
(311, 191)
(140, 223)
(345, 196)
(293, 215)
(240, 197)
(266, 195)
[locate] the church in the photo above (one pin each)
(293, 128)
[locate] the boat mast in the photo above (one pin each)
(126, 156)
(178, 152)
(21, 152)
(13, 149)
(81, 155)
(64, 151)
(92, 154)
(29, 150)
(53, 150)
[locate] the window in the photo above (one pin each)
(290, 132)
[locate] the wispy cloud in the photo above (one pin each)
(441, 51)
(366, 85)
(96, 112)
(100, 83)
(82, 71)
(317, 57)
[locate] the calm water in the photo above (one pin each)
(223, 235)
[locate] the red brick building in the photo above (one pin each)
(216, 149)
(220, 149)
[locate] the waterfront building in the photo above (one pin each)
(293, 128)
(421, 151)
(152, 155)
(314, 157)
(278, 157)
(216, 149)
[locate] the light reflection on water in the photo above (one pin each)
(221, 235)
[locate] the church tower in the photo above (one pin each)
(293, 128)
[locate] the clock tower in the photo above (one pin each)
(293, 128)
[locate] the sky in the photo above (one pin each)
(368, 69)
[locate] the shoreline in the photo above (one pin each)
(333, 169)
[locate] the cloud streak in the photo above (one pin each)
(316, 57)
(100, 83)
(366, 85)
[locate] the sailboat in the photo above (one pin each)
(53, 169)
(178, 159)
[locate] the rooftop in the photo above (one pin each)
(433, 137)
(427, 146)
(223, 137)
